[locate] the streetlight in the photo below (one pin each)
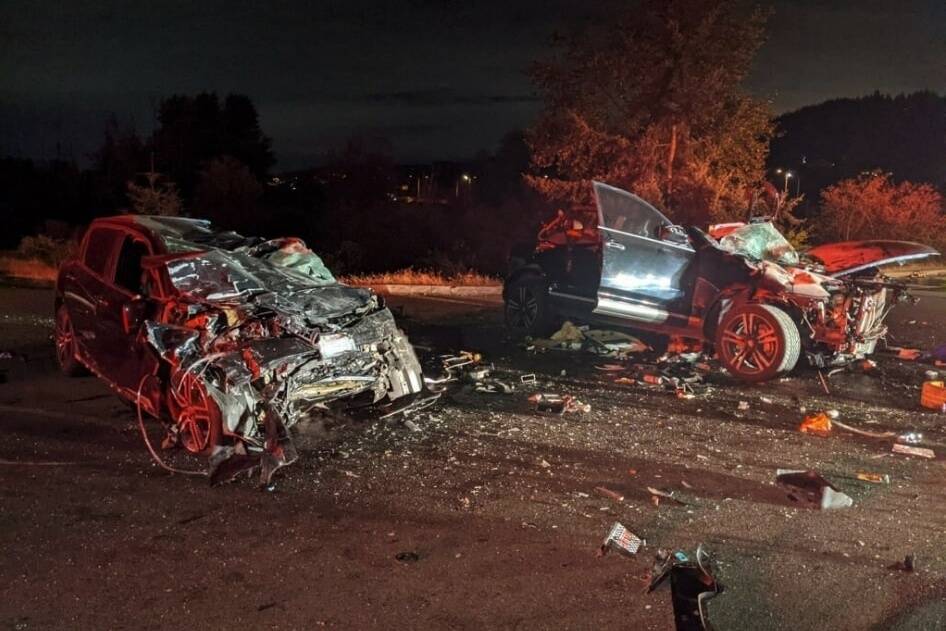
(788, 176)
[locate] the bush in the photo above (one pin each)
(46, 249)
(874, 207)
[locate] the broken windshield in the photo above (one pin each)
(760, 242)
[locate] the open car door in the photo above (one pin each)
(641, 275)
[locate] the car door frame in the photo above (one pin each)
(81, 296)
(127, 358)
(660, 263)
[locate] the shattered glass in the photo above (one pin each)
(760, 242)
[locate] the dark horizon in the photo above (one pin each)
(439, 80)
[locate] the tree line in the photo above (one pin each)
(652, 100)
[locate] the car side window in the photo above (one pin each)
(128, 268)
(99, 247)
(628, 213)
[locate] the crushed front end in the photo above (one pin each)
(265, 345)
(840, 312)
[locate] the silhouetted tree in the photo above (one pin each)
(196, 129)
(158, 197)
(121, 156)
(651, 100)
(228, 193)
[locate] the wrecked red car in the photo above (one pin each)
(230, 339)
(741, 288)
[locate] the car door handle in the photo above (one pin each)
(615, 245)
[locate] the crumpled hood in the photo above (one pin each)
(847, 257)
(236, 277)
(318, 303)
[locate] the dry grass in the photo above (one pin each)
(27, 269)
(422, 277)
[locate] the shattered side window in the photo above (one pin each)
(628, 213)
(760, 242)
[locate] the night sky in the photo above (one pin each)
(439, 79)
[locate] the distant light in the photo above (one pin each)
(465, 177)
(778, 170)
(788, 174)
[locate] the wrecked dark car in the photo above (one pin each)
(741, 288)
(231, 340)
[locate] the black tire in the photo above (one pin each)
(757, 342)
(65, 339)
(527, 310)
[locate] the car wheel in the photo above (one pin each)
(527, 310)
(65, 337)
(195, 413)
(757, 342)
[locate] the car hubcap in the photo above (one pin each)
(523, 308)
(752, 343)
(194, 413)
(65, 340)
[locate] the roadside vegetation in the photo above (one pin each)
(423, 277)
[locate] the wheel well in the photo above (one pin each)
(711, 319)
(525, 271)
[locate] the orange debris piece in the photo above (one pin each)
(818, 424)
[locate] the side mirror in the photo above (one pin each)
(674, 234)
(133, 315)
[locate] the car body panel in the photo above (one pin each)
(263, 325)
(849, 257)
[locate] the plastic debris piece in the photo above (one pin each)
(608, 493)
(743, 406)
(621, 539)
(909, 354)
(610, 367)
(875, 478)
(547, 402)
(933, 395)
(908, 564)
(527, 379)
(810, 488)
(557, 404)
(908, 450)
(818, 424)
(692, 584)
(910, 438)
(657, 493)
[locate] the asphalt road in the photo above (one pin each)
(491, 508)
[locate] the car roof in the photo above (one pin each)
(160, 225)
(172, 233)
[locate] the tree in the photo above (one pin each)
(872, 206)
(157, 198)
(228, 193)
(121, 156)
(196, 129)
(651, 100)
